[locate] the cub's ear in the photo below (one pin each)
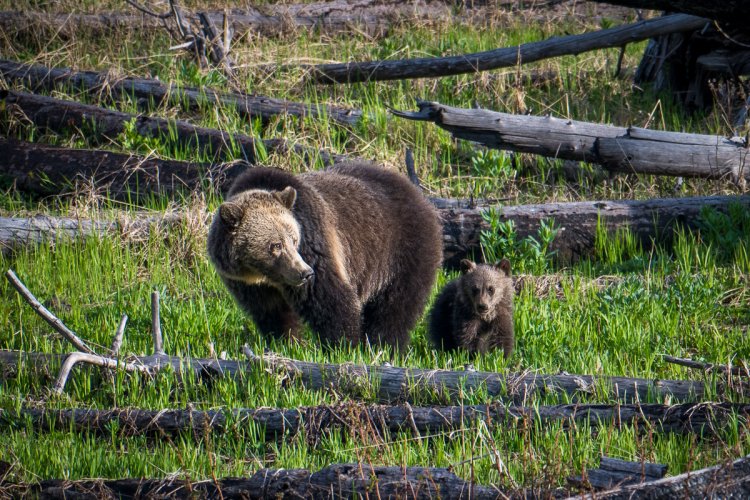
(504, 266)
(467, 266)
(287, 197)
(231, 213)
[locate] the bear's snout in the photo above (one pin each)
(306, 275)
(482, 308)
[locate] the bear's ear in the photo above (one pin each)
(467, 266)
(504, 266)
(287, 197)
(231, 213)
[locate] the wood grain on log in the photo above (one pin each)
(502, 58)
(335, 481)
(729, 480)
(60, 115)
(702, 418)
(392, 384)
(619, 149)
(36, 77)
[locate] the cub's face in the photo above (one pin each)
(254, 238)
(487, 288)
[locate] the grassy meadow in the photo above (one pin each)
(691, 299)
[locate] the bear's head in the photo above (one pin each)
(255, 238)
(486, 287)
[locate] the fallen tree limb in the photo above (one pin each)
(502, 58)
(702, 418)
(37, 77)
(60, 115)
(722, 11)
(618, 149)
(613, 472)
(649, 220)
(741, 369)
(334, 481)
(729, 480)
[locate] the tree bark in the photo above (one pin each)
(729, 480)
(44, 170)
(618, 149)
(277, 423)
(390, 384)
(722, 11)
(149, 90)
(613, 472)
(335, 481)
(60, 116)
(502, 58)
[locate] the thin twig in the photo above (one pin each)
(156, 324)
(117, 341)
(147, 11)
(50, 318)
(94, 359)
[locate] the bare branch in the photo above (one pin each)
(156, 324)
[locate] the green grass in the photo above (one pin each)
(688, 299)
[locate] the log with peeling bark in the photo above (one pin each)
(392, 384)
(148, 90)
(649, 220)
(44, 170)
(335, 481)
(618, 149)
(502, 58)
(727, 480)
(722, 11)
(60, 115)
(703, 418)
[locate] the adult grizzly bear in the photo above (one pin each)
(475, 311)
(352, 251)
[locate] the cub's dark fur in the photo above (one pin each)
(475, 311)
(352, 251)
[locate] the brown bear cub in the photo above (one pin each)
(475, 311)
(352, 251)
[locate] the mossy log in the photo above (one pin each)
(149, 90)
(703, 419)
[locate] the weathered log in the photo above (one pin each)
(37, 77)
(613, 472)
(703, 419)
(722, 11)
(392, 384)
(729, 480)
(649, 220)
(502, 58)
(61, 115)
(44, 170)
(619, 149)
(335, 481)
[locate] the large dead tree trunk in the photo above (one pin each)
(392, 384)
(44, 170)
(60, 115)
(730, 480)
(649, 220)
(150, 90)
(505, 57)
(335, 481)
(724, 11)
(277, 423)
(618, 149)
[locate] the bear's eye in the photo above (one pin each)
(275, 248)
(491, 290)
(475, 290)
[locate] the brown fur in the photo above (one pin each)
(372, 242)
(475, 311)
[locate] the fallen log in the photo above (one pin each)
(390, 384)
(147, 90)
(618, 149)
(44, 170)
(426, 67)
(613, 472)
(729, 480)
(702, 419)
(721, 11)
(651, 221)
(60, 115)
(335, 481)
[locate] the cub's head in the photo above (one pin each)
(254, 238)
(486, 287)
